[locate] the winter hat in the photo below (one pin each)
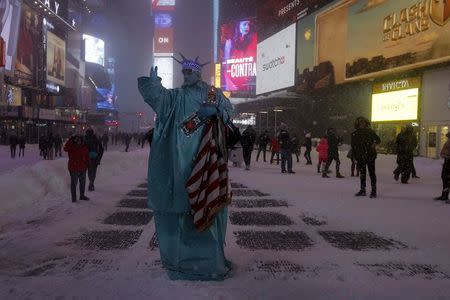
(308, 135)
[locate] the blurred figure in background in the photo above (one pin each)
(78, 163)
(275, 148)
(58, 145)
(13, 141)
(322, 148)
(248, 139)
(263, 140)
(95, 148)
(308, 147)
(445, 174)
(22, 142)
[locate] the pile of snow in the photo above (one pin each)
(32, 190)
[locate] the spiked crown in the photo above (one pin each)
(190, 64)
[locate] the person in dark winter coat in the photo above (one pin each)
(364, 141)
(95, 148)
(248, 139)
(445, 174)
(13, 141)
(58, 145)
(22, 142)
(322, 148)
(308, 147)
(295, 147)
(50, 142)
(105, 140)
(333, 153)
(286, 149)
(263, 140)
(353, 167)
(148, 137)
(78, 163)
(406, 144)
(127, 142)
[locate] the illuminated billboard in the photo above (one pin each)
(163, 41)
(238, 57)
(165, 70)
(9, 28)
(391, 34)
(94, 50)
(163, 5)
(56, 59)
(27, 58)
(276, 61)
(396, 100)
(275, 15)
(163, 20)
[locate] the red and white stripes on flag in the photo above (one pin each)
(208, 186)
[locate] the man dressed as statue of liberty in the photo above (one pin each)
(186, 252)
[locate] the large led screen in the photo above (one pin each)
(56, 59)
(163, 41)
(276, 61)
(163, 20)
(165, 70)
(9, 27)
(94, 50)
(238, 57)
(395, 106)
(27, 58)
(384, 35)
(275, 15)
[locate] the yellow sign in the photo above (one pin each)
(400, 105)
(217, 81)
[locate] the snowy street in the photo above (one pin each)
(296, 236)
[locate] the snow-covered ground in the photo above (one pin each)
(40, 258)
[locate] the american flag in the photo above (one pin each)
(208, 186)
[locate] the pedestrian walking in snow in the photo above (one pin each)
(406, 144)
(127, 141)
(286, 149)
(445, 174)
(308, 147)
(275, 149)
(95, 148)
(248, 139)
(148, 137)
(333, 152)
(22, 142)
(263, 141)
(78, 163)
(295, 147)
(13, 141)
(105, 140)
(58, 145)
(353, 167)
(364, 142)
(50, 142)
(322, 149)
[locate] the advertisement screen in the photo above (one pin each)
(94, 50)
(9, 26)
(384, 35)
(396, 100)
(275, 15)
(163, 5)
(238, 56)
(395, 106)
(163, 40)
(26, 66)
(165, 70)
(163, 20)
(276, 61)
(106, 97)
(56, 59)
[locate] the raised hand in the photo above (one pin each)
(154, 73)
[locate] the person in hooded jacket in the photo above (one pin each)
(333, 153)
(13, 141)
(286, 149)
(248, 139)
(322, 148)
(263, 140)
(308, 147)
(22, 142)
(406, 144)
(445, 174)
(364, 141)
(95, 148)
(78, 164)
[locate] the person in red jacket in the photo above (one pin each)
(275, 147)
(322, 148)
(78, 163)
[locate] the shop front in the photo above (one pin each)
(435, 111)
(395, 104)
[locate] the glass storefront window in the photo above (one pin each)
(431, 141)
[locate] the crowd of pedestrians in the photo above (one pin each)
(362, 153)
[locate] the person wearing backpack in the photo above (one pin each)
(95, 148)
